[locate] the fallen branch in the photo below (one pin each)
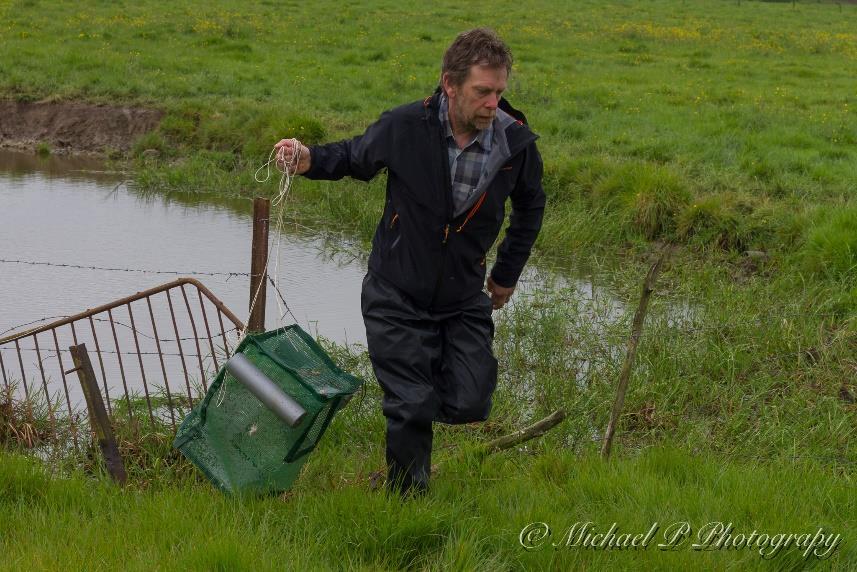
(633, 341)
(522, 435)
(534, 431)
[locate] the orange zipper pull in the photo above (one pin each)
(473, 211)
(445, 233)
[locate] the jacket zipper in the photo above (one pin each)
(447, 197)
(473, 211)
(447, 179)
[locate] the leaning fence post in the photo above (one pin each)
(258, 262)
(631, 352)
(98, 414)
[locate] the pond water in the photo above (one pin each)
(74, 236)
(68, 211)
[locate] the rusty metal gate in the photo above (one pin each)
(152, 353)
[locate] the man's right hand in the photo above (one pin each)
(285, 149)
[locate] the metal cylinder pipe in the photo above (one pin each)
(260, 385)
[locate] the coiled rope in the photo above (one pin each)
(287, 165)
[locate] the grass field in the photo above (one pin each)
(726, 128)
(472, 520)
(714, 124)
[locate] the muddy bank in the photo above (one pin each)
(71, 127)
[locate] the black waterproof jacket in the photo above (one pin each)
(421, 245)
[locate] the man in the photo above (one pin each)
(452, 160)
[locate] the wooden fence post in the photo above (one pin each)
(258, 262)
(98, 414)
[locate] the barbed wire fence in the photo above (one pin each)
(682, 326)
(227, 275)
(798, 313)
(38, 352)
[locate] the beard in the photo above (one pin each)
(482, 122)
(476, 122)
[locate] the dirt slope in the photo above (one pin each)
(72, 127)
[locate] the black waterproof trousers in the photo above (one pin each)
(432, 366)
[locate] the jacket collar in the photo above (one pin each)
(484, 138)
(516, 131)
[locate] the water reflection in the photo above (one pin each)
(14, 164)
(74, 211)
(66, 210)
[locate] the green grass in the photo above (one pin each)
(722, 127)
(471, 521)
(728, 420)
(750, 99)
(831, 247)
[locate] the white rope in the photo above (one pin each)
(288, 166)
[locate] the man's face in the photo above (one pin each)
(473, 104)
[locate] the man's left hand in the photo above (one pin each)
(499, 294)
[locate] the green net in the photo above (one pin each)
(242, 446)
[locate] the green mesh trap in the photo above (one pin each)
(242, 446)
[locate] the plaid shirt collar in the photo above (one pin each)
(485, 137)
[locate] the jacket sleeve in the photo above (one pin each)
(528, 205)
(361, 157)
